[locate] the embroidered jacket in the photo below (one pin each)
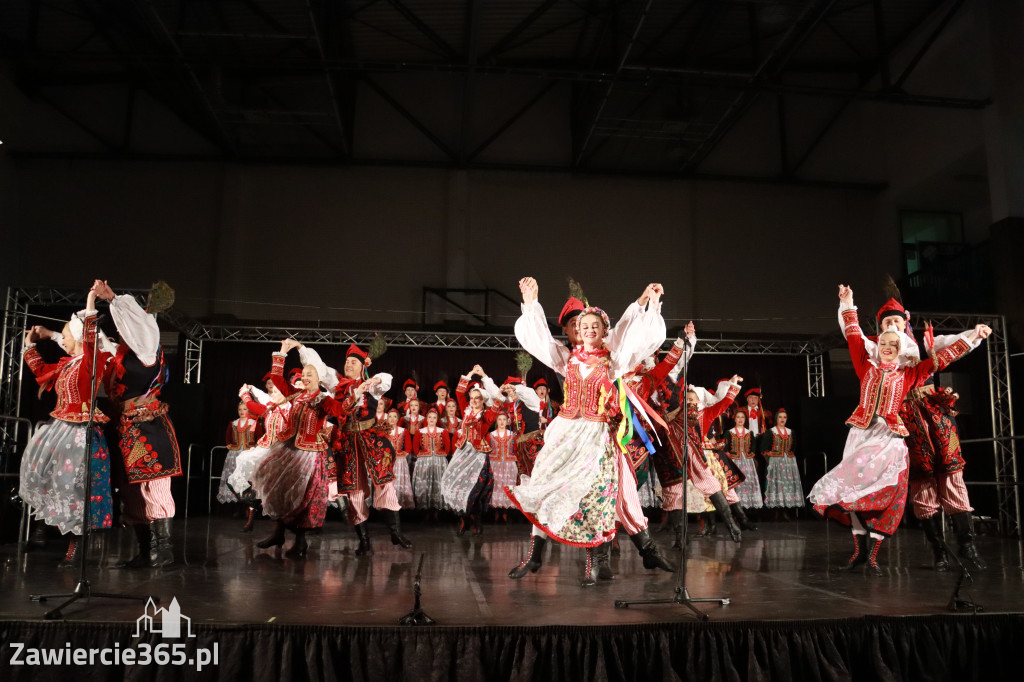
(70, 378)
(474, 428)
(241, 434)
(740, 445)
(776, 442)
(883, 388)
(431, 442)
(310, 413)
(593, 398)
(400, 440)
(502, 446)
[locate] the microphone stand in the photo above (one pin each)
(417, 616)
(83, 588)
(681, 594)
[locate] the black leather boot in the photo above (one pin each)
(874, 544)
(533, 561)
(934, 535)
(602, 556)
(71, 557)
(589, 570)
(725, 515)
(275, 539)
(396, 532)
(299, 547)
(364, 547)
(37, 538)
(162, 553)
(860, 552)
(650, 551)
(675, 521)
(963, 523)
(144, 537)
(741, 516)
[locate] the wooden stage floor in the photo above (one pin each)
(784, 571)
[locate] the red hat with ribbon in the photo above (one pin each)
(890, 308)
(571, 309)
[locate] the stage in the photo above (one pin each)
(333, 611)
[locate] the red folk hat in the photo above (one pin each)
(540, 382)
(752, 391)
(890, 308)
(514, 380)
(279, 382)
(572, 308)
(408, 383)
(439, 385)
(355, 351)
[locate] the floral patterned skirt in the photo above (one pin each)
(225, 494)
(572, 493)
(53, 477)
(467, 482)
(750, 490)
(292, 484)
(403, 483)
(506, 475)
(426, 481)
(650, 490)
(871, 481)
(783, 487)
(246, 463)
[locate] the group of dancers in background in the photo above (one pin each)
(580, 472)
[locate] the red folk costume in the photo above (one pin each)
(53, 464)
(431, 445)
(362, 450)
(292, 480)
(871, 481)
(468, 481)
(402, 443)
(503, 465)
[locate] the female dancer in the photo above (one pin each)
(503, 462)
(740, 446)
(240, 436)
(782, 479)
(292, 480)
(867, 491)
(402, 443)
(274, 409)
(451, 422)
(573, 495)
(467, 483)
(431, 445)
(53, 465)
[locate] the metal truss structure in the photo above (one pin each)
(197, 334)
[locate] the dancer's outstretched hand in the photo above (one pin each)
(736, 379)
(982, 331)
(845, 295)
(103, 290)
(528, 285)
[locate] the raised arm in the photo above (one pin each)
(533, 332)
(643, 337)
(308, 356)
(137, 328)
(852, 331)
(709, 414)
